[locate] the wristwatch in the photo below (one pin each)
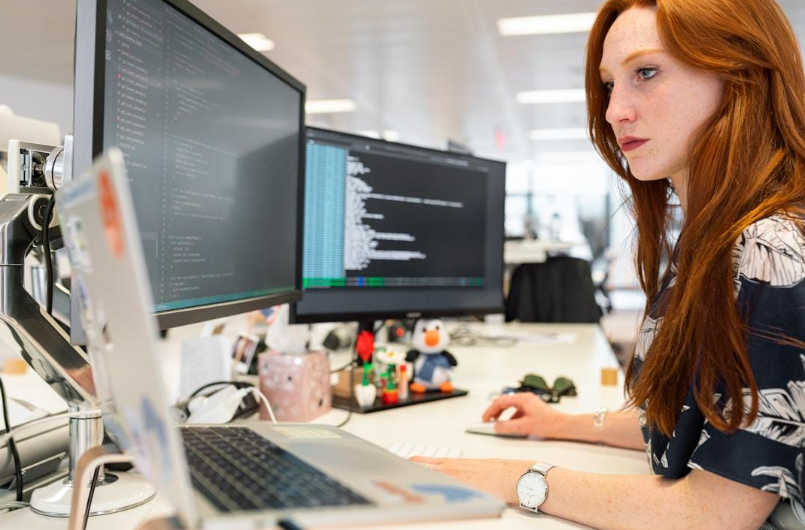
(532, 488)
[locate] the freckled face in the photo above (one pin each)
(657, 103)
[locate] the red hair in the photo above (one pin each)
(747, 162)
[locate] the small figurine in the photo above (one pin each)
(364, 347)
(366, 392)
(432, 363)
(402, 378)
(390, 394)
(385, 357)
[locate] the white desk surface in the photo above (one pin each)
(533, 250)
(483, 370)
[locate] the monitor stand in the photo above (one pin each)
(412, 399)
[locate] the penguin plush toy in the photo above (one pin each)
(432, 363)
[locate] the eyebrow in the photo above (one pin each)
(635, 55)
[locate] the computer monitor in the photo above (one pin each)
(397, 231)
(212, 134)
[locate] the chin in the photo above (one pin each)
(647, 175)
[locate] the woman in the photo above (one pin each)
(703, 100)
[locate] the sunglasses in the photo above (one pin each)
(536, 384)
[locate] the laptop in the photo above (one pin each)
(250, 475)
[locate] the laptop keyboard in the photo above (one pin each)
(237, 469)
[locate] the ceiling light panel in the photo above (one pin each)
(570, 95)
(329, 106)
(258, 41)
(558, 134)
(546, 25)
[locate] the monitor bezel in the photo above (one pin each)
(297, 318)
(90, 66)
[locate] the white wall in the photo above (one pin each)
(40, 100)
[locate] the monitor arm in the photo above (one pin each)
(25, 324)
(35, 171)
(40, 340)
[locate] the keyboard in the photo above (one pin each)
(408, 450)
(237, 469)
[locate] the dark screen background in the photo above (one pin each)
(451, 238)
(211, 140)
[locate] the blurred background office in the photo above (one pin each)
(502, 79)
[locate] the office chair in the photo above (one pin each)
(559, 290)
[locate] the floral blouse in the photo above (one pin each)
(769, 269)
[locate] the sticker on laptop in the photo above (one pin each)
(311, 433)
(110, 213)
(399, 494)
(76, 240)
(149, 441)
(77, 192)
(450, 494)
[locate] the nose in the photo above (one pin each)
(621, 108)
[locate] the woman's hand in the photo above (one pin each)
(533, 417)
(493, 476)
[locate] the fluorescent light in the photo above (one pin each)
(258, 41)
(570, 95)
(544, 25)
(326, 106)
(558, 134)
(388, 135)
(567, 157)
(391, 136)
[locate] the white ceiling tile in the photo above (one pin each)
(429, 69)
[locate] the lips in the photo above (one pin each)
(630, 143)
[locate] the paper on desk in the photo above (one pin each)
(20, 412)
(203, 361)
(530, 337)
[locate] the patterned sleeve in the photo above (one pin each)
(769, 273)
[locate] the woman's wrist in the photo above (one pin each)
(517, 469)
(577, 427)
(513, 471)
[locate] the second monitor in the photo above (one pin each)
(397, 231)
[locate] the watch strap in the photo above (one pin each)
(541, 468)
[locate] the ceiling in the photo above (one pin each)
(431, 70)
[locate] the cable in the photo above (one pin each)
(91, 494)
(288, 524)
(263, 398)
(14, 505)
(237, 384)
(342, 368)
(48, 257)
(12, 446)
(466, 336)
(351, 394)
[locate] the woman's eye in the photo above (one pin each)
(608, 87)
(646, 73)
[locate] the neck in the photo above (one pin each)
(680, 183)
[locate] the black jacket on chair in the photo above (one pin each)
(559, 290)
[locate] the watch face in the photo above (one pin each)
(532, 489)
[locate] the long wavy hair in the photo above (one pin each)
(747, 162)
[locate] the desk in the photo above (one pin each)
(533, 250)
(482, 370)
